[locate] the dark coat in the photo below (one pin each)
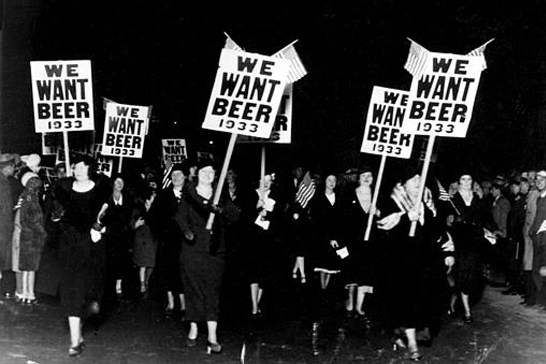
(33, 235)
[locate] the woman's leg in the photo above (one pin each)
(148, 274)
(360, 295)
(466, 305)
(170, 301)
(182, 301)
(142, 276)
(192, 335)
(19, 293)
(31, 279)
(211, 326)
(255, 296)
(74, 323)
(24, 280)
(349, 304)
(412, 344)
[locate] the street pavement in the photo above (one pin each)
(138, 332)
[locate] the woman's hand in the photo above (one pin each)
(139, 222)
(413, 215)
(334, 244)
(390, 221)
(188, 234)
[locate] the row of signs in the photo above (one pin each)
(440, 103)
(250, 97)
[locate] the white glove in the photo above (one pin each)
(95, 235)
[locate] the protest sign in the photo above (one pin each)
(247, 93)
(105, 165)
(442, 96)
(124, 130)
(63, 95)
(384, 121)
(174, 150)
(282, 129)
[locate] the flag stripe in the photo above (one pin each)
(417, 58)
(296, 68)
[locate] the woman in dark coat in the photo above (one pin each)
(29, 235)
(81, 251)
(326, 217)
(358, 268)
(145, 242)
(165, 228)
(263, 213)
(202, 257)
(415, 262)
(118, 238)
(470, 244)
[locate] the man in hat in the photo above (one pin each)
(538, 234)
(7, 164)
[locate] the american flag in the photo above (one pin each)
(417, 59)
(478, 52)
(166, 181)
(444, 196)
(230, 44)
(306, 190)
(296, 69)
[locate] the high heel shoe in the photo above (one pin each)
(190, 343)
(399, 341)
(468, 319)
(213, 348)
(415, 356)
(76, 350)
(451, 313)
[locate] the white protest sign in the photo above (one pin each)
(282, 129)
(442, 98)
(62, 92)
(384, 121)
(247, 93)
(174, 150)
(105, 165)
(124, 130)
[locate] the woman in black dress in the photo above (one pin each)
(358, 268)
(262, 250)
(118, 238)
(469, 244)
(415, 263)
(202, 257)
(326, 219)
(81, 252)
(161, 218)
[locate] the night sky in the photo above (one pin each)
(165, 53)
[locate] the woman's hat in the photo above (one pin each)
(32, 160)
(6, 159)
(26, 177)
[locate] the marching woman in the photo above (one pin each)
(202, 257)
(326, 219)
(29, 235)
(81, 252)
(358, 268)
(164, 227)
(415, 262)
(262, 250)
(470, 244)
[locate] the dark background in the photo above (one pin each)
(165, 53)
